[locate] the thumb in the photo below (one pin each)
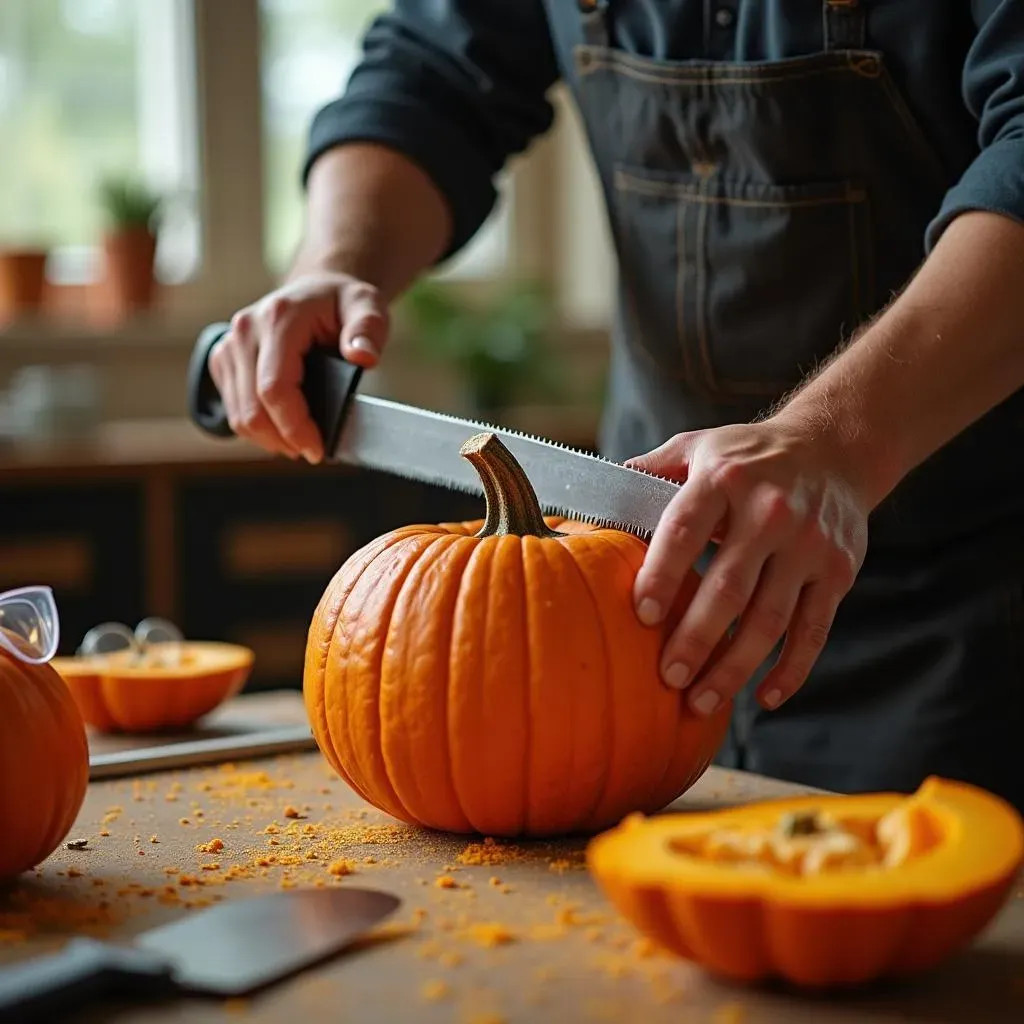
(671, 459)
(364, 324)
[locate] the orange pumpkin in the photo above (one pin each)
(822, 891)
(128, 692)
(44, 764)
(495, 678)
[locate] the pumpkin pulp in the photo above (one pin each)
(811, 842)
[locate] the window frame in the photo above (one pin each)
(232, 271)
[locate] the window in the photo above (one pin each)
(209, 102)
(90, 88)
(309, 49)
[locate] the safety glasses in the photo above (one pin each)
(29, 624)
(115, 637)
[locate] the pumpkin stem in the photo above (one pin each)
(512, 506)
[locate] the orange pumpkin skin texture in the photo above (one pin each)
(500, 684)
(115, 695)
(44, 764)
(958, 851)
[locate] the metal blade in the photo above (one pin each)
(242, 945)
(424, 445)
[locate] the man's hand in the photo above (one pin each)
(793, 534)
(257, 366)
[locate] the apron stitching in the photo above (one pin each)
(688, 193)
(701, 261)
(698, 77)
(681, 209)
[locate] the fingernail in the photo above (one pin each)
(649, 612)
(706, 702)
(310, 456)
(772, 698)
(363, 344)
(677, 675)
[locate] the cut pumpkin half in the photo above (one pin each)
(156, 690)
(820, 891)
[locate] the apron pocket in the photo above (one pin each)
(740, 288)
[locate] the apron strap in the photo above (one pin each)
(595, 21)
(843, 24)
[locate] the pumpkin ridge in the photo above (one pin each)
(340, 732)
(600, 792)
(529, 732)
(660, 783)
(325, 621)
(399, 754)
(482, 551)
(486, 726)
(320, 641)
(43, 711)
(391, 796)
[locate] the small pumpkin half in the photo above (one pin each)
(155, 691)
(820, 891)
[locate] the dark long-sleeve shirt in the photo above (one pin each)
(459, 86)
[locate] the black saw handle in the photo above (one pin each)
(329, 383)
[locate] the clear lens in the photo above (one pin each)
(29, 624)
(157, 631)
(156, 636)
(162, 638)
(107, 638)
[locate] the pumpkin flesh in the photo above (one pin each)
(731, 891)
(157, 690)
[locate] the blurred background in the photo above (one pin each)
(149, 184)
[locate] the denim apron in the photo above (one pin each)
(760, 212)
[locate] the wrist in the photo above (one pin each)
(846, 438)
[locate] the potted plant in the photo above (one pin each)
(498, 348)
(129, 243)
(22, 279)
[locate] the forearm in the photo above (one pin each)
(373, 213)
(948, 350)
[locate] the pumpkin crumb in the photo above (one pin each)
(154, 839)
(213, 846)
(340, 868)
(74, 873)
(446, 882)
(433, 991)
(730, 1013)
(293, 812)
(104, 832)
(490, 934)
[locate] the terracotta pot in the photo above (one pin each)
(129, 255)
(22, 279)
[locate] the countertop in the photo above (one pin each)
(289, 821)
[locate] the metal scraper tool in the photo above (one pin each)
(228, 950)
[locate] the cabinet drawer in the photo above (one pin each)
(85, 541)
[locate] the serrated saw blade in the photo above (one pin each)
(423, 445)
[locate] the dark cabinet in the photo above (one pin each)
(237, 552)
